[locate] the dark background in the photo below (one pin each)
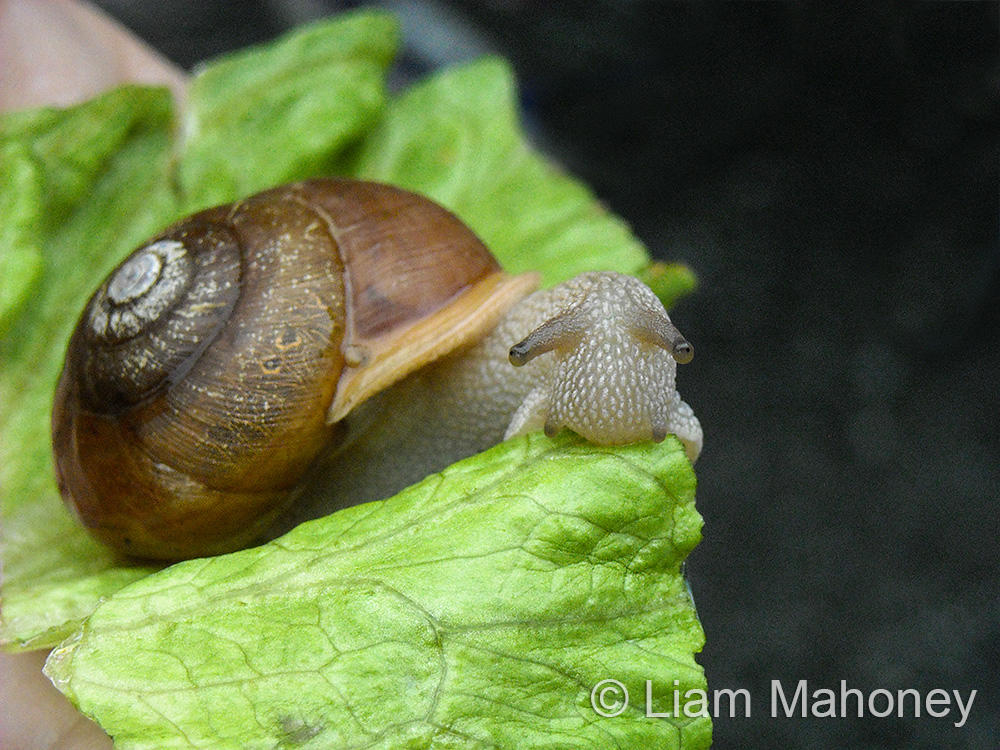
(831, 173)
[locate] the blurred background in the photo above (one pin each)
(831, 174)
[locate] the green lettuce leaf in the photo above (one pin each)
(478, 608)
(21, 260)
(94, 180)
(285, 110)
(456, 139)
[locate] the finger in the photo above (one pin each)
(33, 714)
(63, 53)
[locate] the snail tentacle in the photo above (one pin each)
(655, 328)
(560, 332)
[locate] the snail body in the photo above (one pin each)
(241, 354)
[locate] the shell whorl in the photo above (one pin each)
(152, 316)
(199, 381)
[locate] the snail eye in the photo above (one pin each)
(682, 351)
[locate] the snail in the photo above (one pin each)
(339, 334)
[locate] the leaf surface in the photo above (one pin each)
(475, 609)
(95, 180)
(284, 110)
(456, 138)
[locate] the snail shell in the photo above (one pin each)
(209, 369)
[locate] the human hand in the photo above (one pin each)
(62, 53)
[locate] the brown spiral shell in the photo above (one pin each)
(198, 382)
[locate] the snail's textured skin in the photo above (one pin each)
(330, 342)
(606, 385)
(610, 376)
